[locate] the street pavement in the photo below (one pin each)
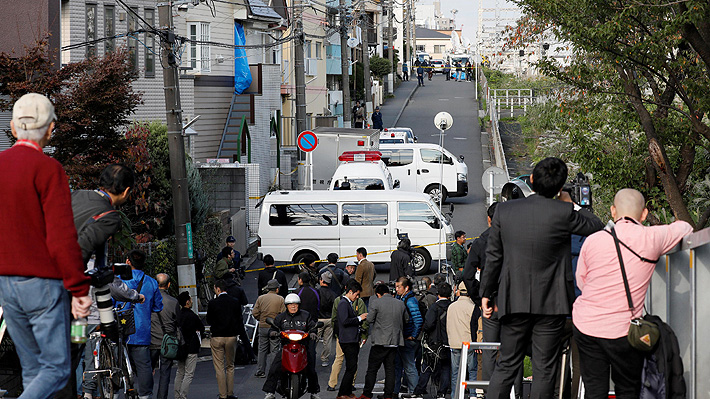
(463, 138)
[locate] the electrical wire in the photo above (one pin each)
(134, 12)
(99, 40)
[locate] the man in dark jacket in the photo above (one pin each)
(292, 319)
(327, 298)
(377, 119)
(349, 336)
(401, 260)
(528, 274)
(310, 299)
(237, 292)
(224, 318)
(270, 272)
(340, 277)
(161, 323)
(192, 329)
(436, 359)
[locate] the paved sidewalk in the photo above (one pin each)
(393, 107)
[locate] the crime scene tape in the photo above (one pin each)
(369, 253)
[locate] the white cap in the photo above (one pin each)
(32, 111)
(292, 298)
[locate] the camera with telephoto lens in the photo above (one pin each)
(580, 190)
(101, 277)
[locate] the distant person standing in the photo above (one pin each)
(161, 323)
(458, 252)
(377, 119)
(192, 329)
(365, 275)
(327, 298)
(224, 316)
(447, 70)
(401, 260)
(270, 272)
(405, 71)
(358, 115)
(420, 74)
(340, 277)
(270, 304)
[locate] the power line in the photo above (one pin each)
(134, 12)
(95, 41)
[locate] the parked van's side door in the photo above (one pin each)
(302, 226)
(365, 224)
(430, 169)
(401, 163)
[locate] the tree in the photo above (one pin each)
(380, 66)
(653, 57)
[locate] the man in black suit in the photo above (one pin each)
(349, 336)
(224, 318)
(528, 277)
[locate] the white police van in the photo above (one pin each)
(296, 224)
(422, 167)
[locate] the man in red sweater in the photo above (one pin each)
(40, 259)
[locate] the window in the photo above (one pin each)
(307, 49)
(439, 48)
(365, 214)
(91, 29)
(362, 184)
(109, 28)
(397, 157)
(199, 53)
(318, 50)
(416, 212)
(304, 215)
(150, 45)
(132, 41)
(434, 156)
(421, 47)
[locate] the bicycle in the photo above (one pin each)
(112, 364)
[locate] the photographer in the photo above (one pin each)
(96, 220)
(528, 262)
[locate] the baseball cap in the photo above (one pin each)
(231, 239)
(462, 288)
(32, 111)
(327, 277)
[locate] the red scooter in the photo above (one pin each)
(294, 360)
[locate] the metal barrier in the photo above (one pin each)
(679, 293)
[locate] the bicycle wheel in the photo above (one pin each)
(107, 364)
(128, 378)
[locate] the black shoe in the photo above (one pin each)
(331, 389)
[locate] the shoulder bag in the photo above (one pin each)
(126, 319)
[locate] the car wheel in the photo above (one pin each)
(421, 261)
(436, 194)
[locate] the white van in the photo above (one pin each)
(362, 170)
(418, 167)
(295, 224)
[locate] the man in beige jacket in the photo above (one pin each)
(462, 326)
(365, 275)
(270, 304)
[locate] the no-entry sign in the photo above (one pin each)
(307, 141)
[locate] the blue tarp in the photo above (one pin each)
(242, 74)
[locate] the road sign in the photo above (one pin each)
(188, 228)
(307, 141)
(499, 178)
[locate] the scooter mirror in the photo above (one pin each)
(320, 324)
(270, 321)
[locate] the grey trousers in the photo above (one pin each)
(183, 378)
(267, 347)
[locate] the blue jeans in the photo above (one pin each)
(472, 363)
(142, 366)
(37, 311)
(406, 361)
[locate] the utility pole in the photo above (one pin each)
(408, 28)
(176, 147)
(299, 68)
(365, 22)
(344, 64)
(390, 47)
(413, 11)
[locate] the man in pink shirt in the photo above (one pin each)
(601, 314)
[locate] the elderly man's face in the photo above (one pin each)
(292, 308)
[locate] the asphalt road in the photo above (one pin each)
(463, 138)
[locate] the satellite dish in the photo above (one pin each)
(352, 42)
(443, 121)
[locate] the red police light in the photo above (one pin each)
(360, 156)
(361, 143)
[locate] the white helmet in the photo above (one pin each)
(292, 298)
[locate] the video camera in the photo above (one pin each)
(580, 190)
(101, 276)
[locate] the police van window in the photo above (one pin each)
(362, 184)
(397, 157)
(364, 214)
(303, 215)
(434, 156)
(416, 212)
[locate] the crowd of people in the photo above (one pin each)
(517, 282)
